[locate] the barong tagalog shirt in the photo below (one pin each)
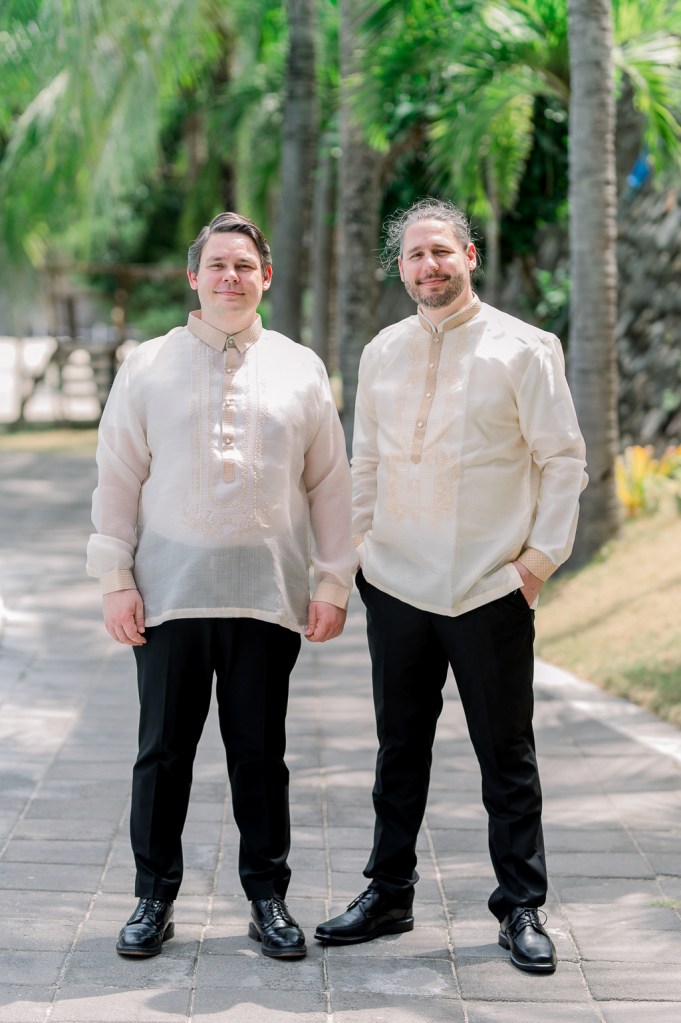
(467, 456)
(222, 476)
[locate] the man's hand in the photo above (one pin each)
(124, 616)
(531, 584)
(324, 621)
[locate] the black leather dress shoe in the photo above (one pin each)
(369, 916)
(149, 926)
(272, 924)
(531, 948)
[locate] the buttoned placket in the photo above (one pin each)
(233, 359)
(434, 352)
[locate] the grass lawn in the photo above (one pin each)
(60, 440)
(617, 621)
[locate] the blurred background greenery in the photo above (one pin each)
(125, 126)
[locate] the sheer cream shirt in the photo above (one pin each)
(222, 476)
(467, 456)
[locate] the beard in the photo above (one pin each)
(430, 300)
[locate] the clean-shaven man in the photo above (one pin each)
(222, 476)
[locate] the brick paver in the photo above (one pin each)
(611, 775)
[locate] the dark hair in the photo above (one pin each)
(424, 209)
(225, 222)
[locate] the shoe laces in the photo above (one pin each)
(527, 917)
(366, 894)
(148, 907)
(278, 908)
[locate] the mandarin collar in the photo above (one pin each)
(219, 339)
(453, 321)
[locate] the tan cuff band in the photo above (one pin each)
(537, 563)
(330, 593)
(120, 579)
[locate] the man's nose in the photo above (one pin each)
(230, 274)
(430, 261)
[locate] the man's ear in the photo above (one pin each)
(192, 279)
(472, 257)
(267, 278)
(399, 265)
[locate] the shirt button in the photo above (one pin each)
(431, 366)
(429, 394)
(227, 442)
(230, 342)
(229, 370)
(420, 425)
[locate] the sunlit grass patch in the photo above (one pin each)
(617, 621)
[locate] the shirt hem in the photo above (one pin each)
(450, 612)
(221, 612)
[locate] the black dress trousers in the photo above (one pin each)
(251, 661)
(490, 650)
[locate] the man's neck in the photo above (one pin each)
(438, 316)
(229, 324)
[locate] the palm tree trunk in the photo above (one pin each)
(492, 240)
(297, 165)
(322, 269)
(359, 200)
(593, 231)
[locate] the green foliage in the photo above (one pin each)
(159, 316)
(109, 94)
(654, 685)
(99, 84)
(122, 124)
(648, 51)
(489, 85)
(554, 291)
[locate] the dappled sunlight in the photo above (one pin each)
(35, 730)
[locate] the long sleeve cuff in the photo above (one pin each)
(331, 593)
(537, 563)
(119, 579)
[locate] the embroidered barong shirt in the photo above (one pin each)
(467, 456)
(222, 476)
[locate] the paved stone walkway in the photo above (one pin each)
(612, 781)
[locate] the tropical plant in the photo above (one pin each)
(473, 73)
(114, 102)
(642, 479)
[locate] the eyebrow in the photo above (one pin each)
(435, 247)
(250, 260)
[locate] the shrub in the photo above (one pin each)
(642, 479)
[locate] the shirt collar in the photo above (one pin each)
(453, 321)
(220, 340)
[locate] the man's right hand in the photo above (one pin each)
(124, 616)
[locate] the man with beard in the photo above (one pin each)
(467, 468)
